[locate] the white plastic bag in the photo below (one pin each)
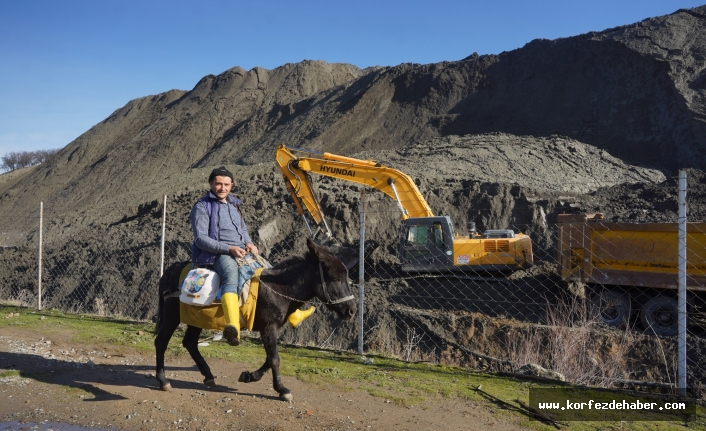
(200, 287)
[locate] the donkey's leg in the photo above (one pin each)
(269, 340)
(255, 376)
(169, 323)
(191, 343)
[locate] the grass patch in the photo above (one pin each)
(84, 391)
(9, 373)
(402, 383)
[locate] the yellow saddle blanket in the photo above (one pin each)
(211, 316)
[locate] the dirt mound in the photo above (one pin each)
(635, 92)
(645, 203)
(555, 164)
(152, 138)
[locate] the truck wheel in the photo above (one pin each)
(660, 316)
(612, 307)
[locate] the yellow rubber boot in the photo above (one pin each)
(295, 319)
(231, 312)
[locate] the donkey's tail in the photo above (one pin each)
(168, 283)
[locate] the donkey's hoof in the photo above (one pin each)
(209, 382)
(166, 388)
(285, 395)
(245, 377)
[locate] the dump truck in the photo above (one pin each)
(427, 243)
(631, 268)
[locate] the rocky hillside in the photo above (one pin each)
(637, 93)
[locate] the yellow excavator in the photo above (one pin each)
(427, 243)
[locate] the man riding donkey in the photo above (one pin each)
(222, 244)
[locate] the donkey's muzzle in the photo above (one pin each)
(349, 311)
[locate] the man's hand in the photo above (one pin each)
(250, 248)
(236, 252)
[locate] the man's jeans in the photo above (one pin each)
(227, 269)
(233, 278)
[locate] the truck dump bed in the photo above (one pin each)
(629, 254)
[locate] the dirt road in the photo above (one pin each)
(105, 386)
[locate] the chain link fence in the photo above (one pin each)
(80, 273)
(19, 260)
(598, 307)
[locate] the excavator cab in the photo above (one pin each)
(429, 244)
(426, 244)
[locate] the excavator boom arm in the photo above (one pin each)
(397, 185)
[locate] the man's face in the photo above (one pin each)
(220, 186)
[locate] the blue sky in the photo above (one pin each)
(66, 65)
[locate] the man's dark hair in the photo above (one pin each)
(220, 172)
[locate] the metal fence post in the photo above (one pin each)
(39, 281)
(361, 271)
(164, 222)
(681, 373)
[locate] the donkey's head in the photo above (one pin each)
(333, 288)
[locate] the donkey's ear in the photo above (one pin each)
(320, 251)
(348, 255)
(313, 247)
